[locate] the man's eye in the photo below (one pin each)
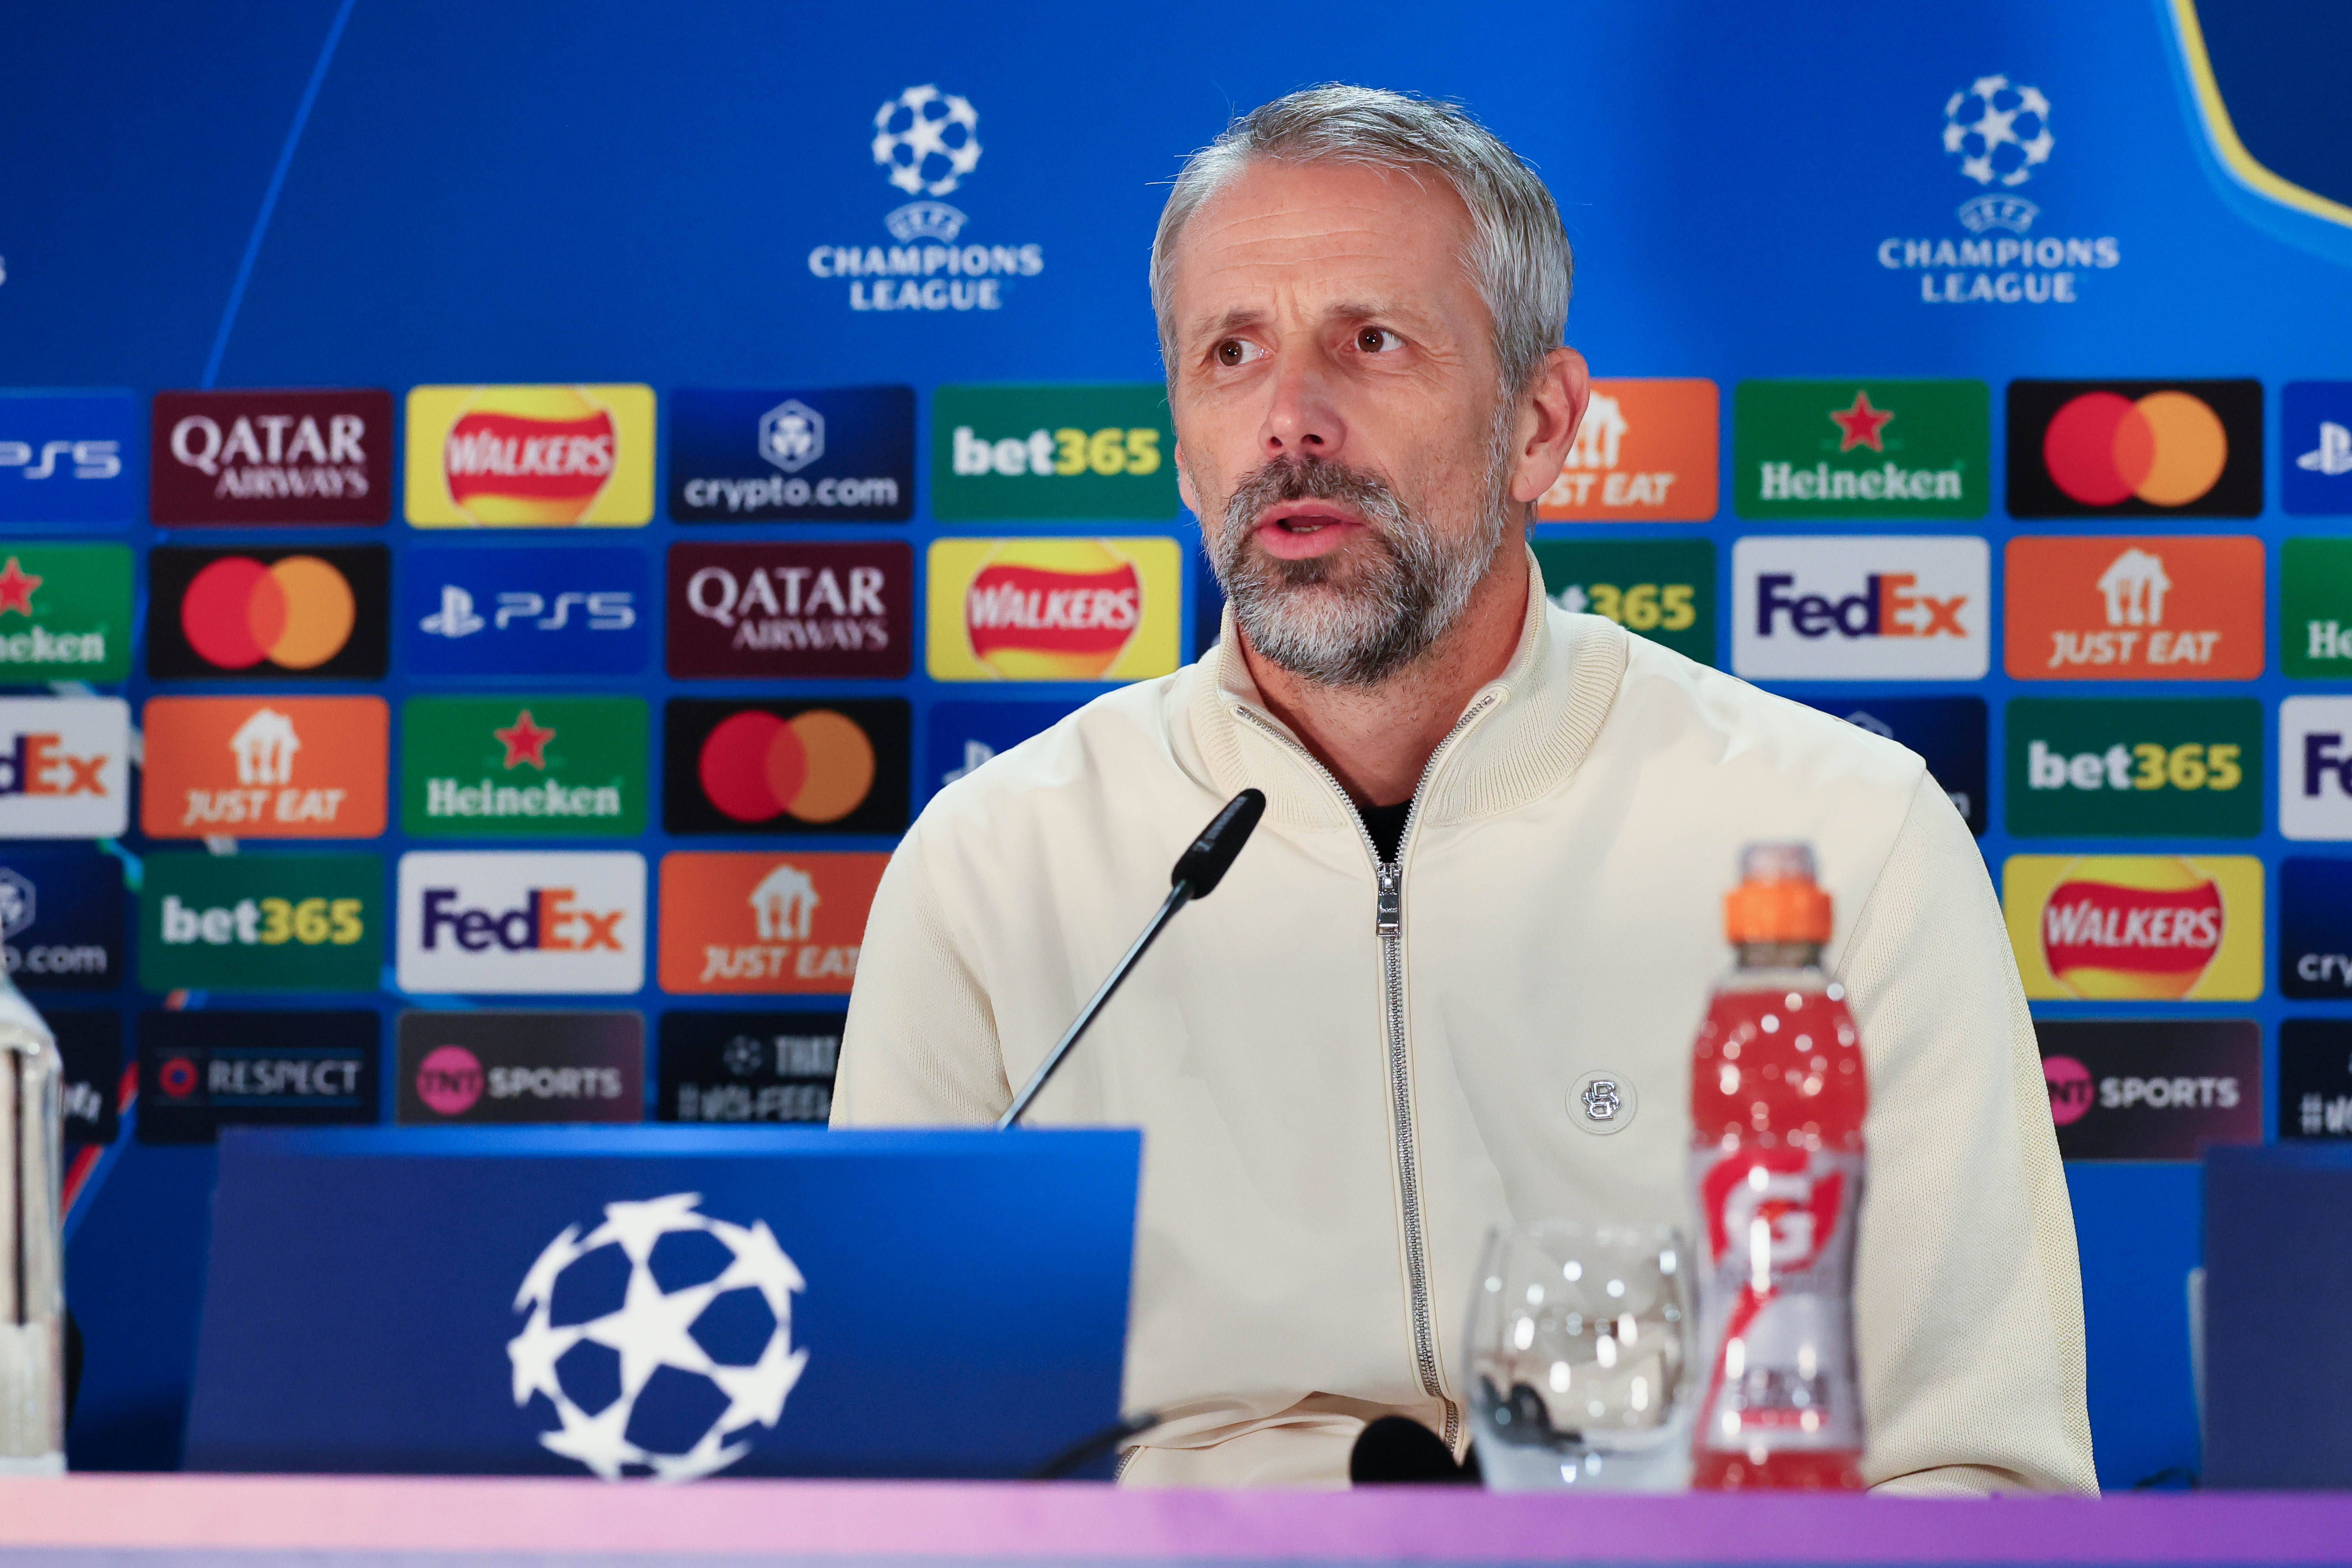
(1235, 351)
(1378, 341)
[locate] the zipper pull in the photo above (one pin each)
(1388, 903)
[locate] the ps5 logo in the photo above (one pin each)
(608, 611)
(88, 460)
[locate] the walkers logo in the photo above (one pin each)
(2096, 608)
(265, 767)
(2142, 928)
(70, 456)
(842, 454)
(522, 922)
(262, 922)
(1053, 451)
(1053, 610)
(1664, 589)
(786, 767)
(62, 918)
(1996, 134)
(1882, 607)
(65, 612)
(963, 735)
(926, 143)
(1948, 734)
(2315, 607)
(2152, 1090)
(314, 614)
(200, 1072)
(89, 1081)
(792, 610)
(525, 612)
(762, 922)
(505, 1068)
(2314, 928)
(1847, 448)
(2314, 1079)
(2314, 448)
(1646, 453)
(2315, 767)
(522, 767)
(2134, 448)
(531, 457)
(747, 1067)
(271, 457)
(64, 769)
(2135, 769)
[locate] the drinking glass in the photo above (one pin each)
(1578, 1357)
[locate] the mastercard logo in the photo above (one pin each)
(1053, 609)
(2168, 448)
(2122, 928)
(816, 766)
(296, 613)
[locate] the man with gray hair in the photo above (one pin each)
(1497, 839)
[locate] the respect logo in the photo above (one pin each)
(1646, 453)
(741, 923)
(1863, 449)
(64, 769)
(2146, 448)
(531, 457)
(2135, 927)
(1053, 610)
(246, 457)
(72, 605)
(2158, 609)
(274, 767)
(1871, 608)
(2135, 769)
(792, 610)
(522, 922)
(524, 767)
(315, 614)
(203, 1070)
(1664, 589)
(786, 767)
(262, 922)
(1048, 451)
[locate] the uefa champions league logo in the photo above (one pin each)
(929, 140)
(1998, 131)
(661, 1337)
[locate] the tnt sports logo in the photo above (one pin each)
(64, 767)
(531, 457)
(1053, 610)
(794, 767)
(521, 922)
(2134, 448)
(2169, 608)
(2146, 1089)
(659, 1340)
(288, 767)
(1998, 131)
(1644, 453)
(764, 924)
(1888, 607)
(2135, 928)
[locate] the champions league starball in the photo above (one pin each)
(1998, 131)
(661, 1339)
(929, 140)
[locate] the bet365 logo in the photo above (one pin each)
(2148, 768)
(1098, 451)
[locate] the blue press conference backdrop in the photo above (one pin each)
(349, 194)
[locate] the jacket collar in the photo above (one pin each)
(1520, 737)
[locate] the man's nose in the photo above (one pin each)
(1301, 418)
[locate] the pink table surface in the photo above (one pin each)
(947, 1521)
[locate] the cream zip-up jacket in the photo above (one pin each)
(1347, 1072)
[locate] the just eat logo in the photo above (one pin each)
(522, 923)
(1893, 607)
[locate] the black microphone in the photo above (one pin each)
(1198, 871)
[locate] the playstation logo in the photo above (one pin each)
(2333, 455)
(456, 617)
(792, 436)
(974, 753)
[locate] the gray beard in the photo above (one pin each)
(1352, 622)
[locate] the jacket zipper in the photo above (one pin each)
(1387, 924)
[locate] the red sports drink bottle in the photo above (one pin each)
(1777, 1102)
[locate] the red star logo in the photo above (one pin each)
(1861, 423)
(16, 586)
(525, 741)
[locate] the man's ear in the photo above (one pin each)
(1547, 426)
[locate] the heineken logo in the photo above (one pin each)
(1880, 449)
(524, 766)
(65, 612)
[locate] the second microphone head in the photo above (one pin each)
(1203, 863)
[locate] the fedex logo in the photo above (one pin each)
(521, 923)
(2315, 767)
(39, 765)
(1861, 608)
(64, 767)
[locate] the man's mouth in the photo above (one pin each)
(1299, 529)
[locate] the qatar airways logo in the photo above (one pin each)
(522, 923)
(1891, 607)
